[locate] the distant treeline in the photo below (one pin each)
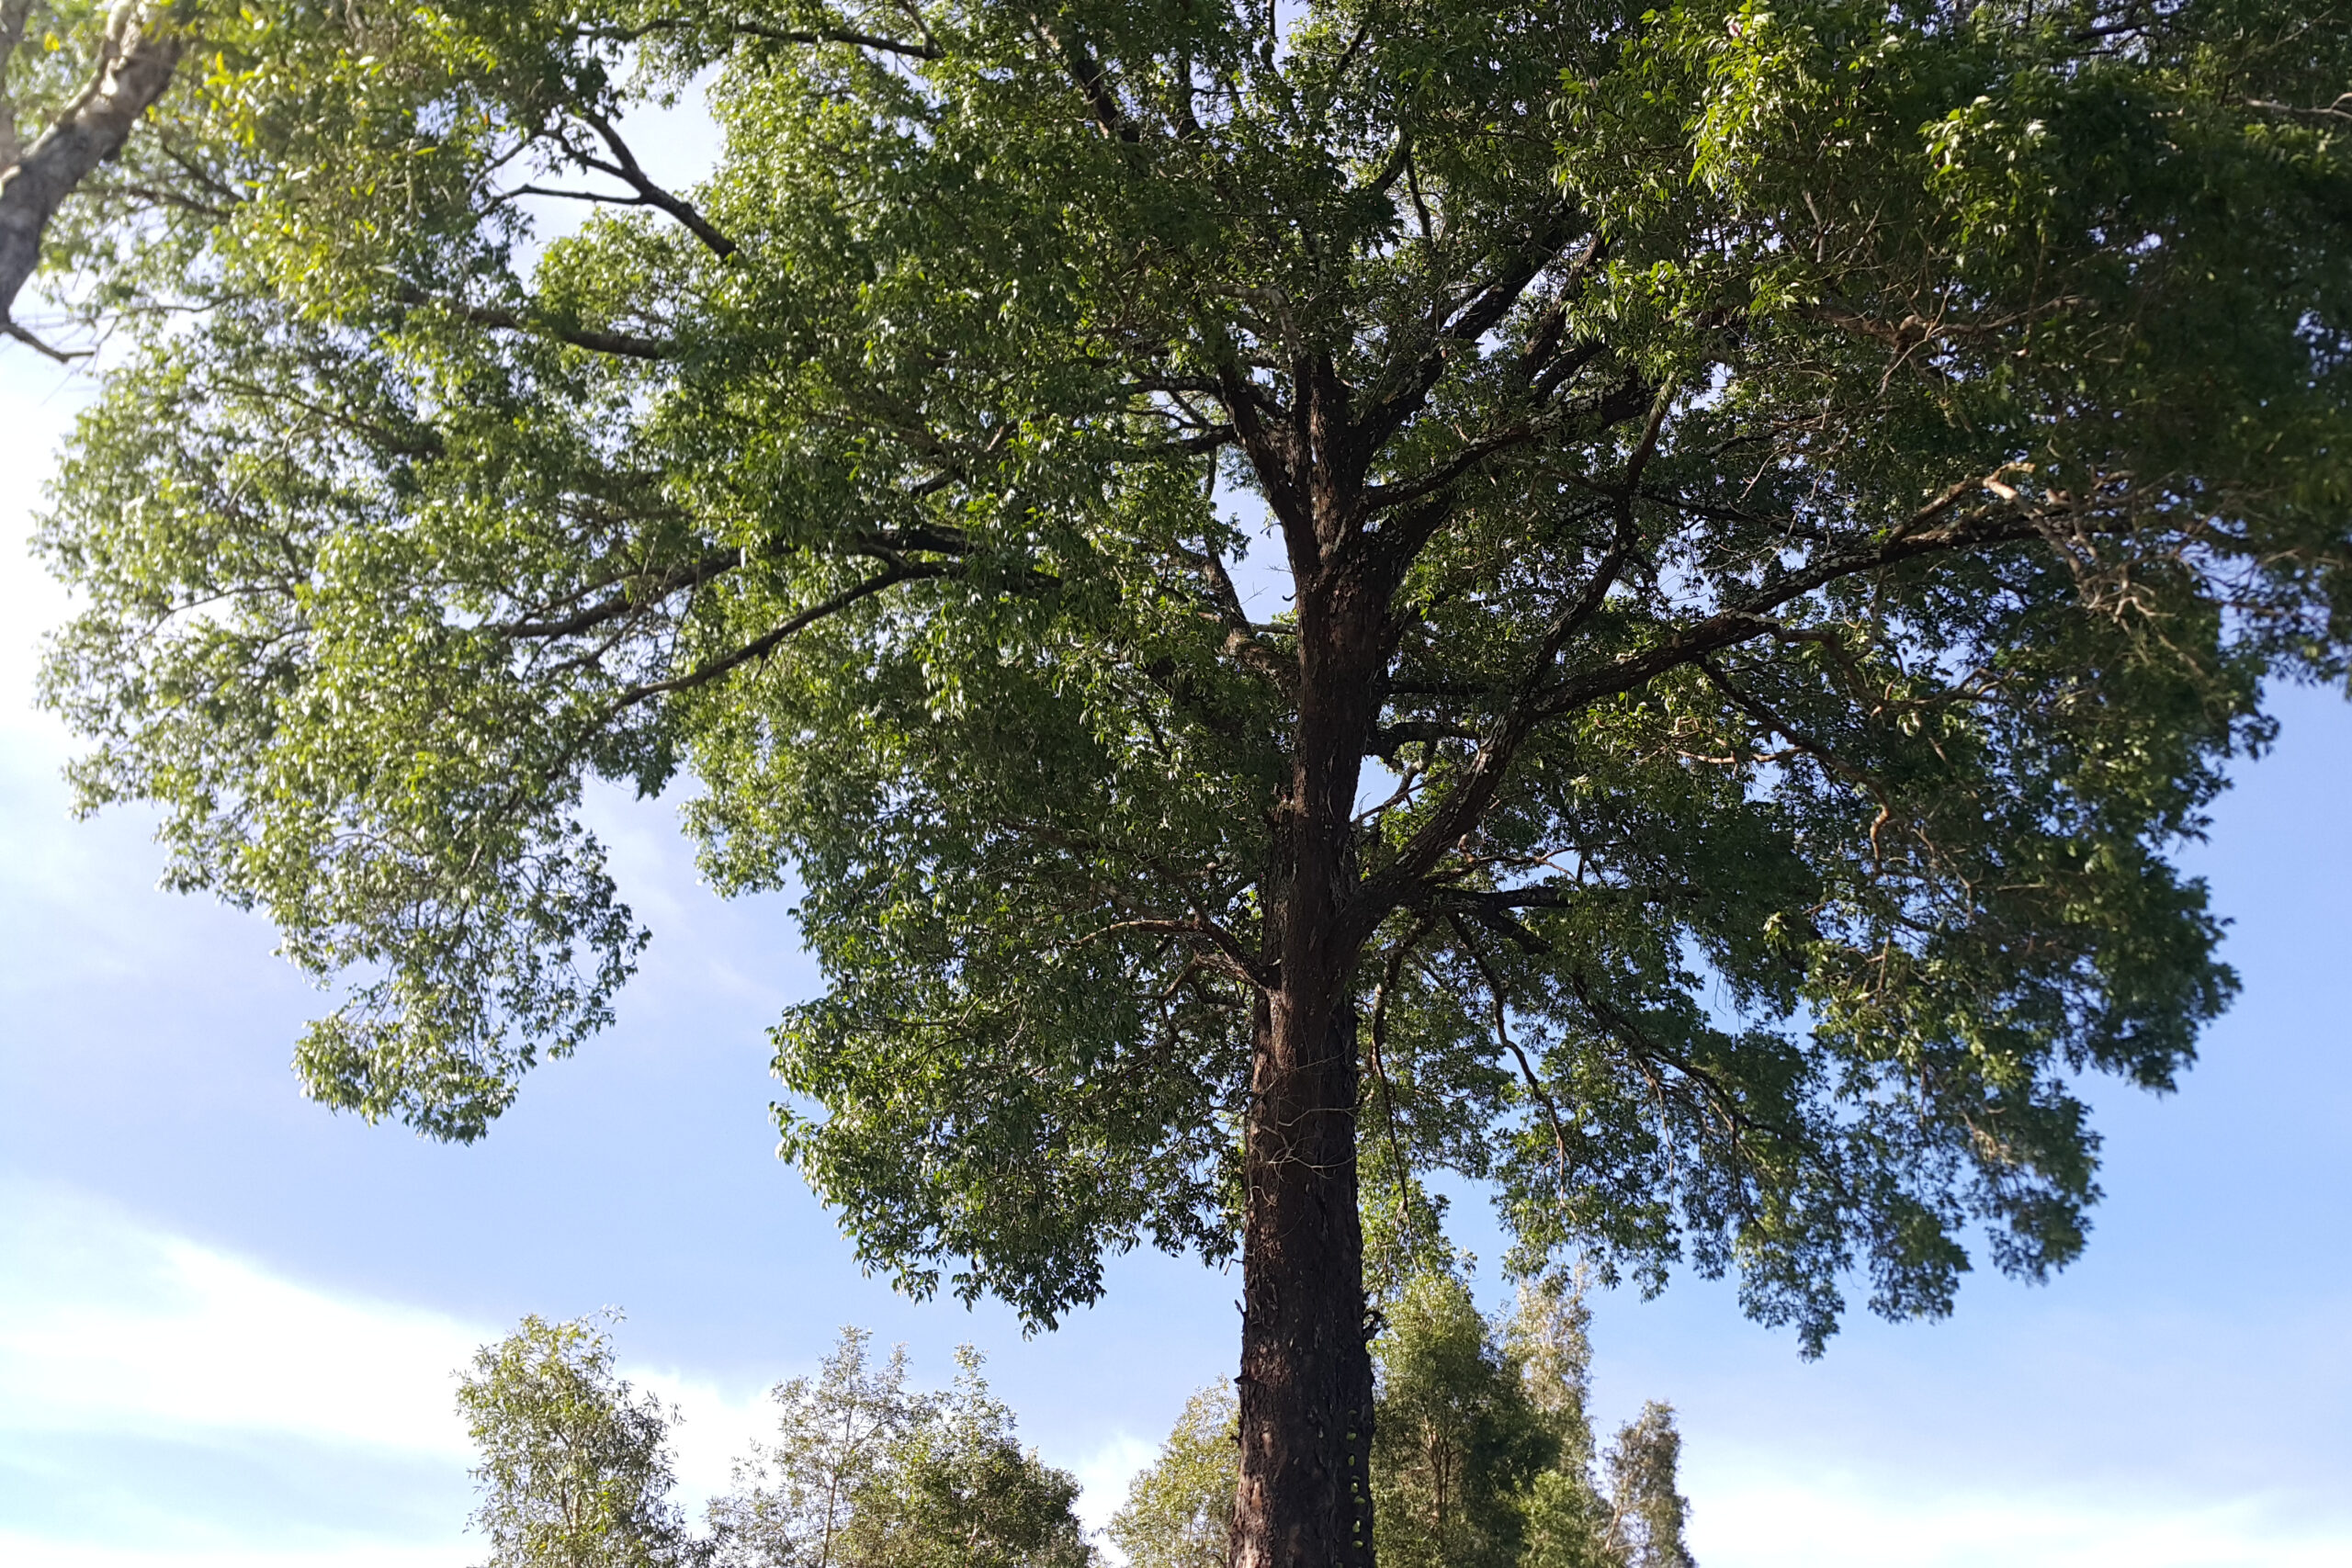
(1484, 1457)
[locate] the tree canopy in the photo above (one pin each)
(575, 1468)
(1778, 517)
(867, 1472)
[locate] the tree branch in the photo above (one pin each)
(626, 170)
(1237, 960)
(143, 48)
(1526, 1069)
(927, 50)
(767, 642)
(1467, 803)
(622, 346)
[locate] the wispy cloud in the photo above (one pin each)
(36, 1551)
(106, 1326)
(162, 1400)
(1106, 1474)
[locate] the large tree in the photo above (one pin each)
(1777, 519)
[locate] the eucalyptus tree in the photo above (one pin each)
(867, 1472)
(1777, 519)
(576, 1469)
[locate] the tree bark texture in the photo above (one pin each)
(142, 49)
(1305, 1382)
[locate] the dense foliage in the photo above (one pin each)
(1629, 602)
(867, 1472)
(1857, 467)
(575, 1468)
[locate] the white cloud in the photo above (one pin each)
(1761, 1514)
(164, 1401)
(114, 1335)
(108, 1327)
(1106, 1475)
(34, 1551)
(714, 1427)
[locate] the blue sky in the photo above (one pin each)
(229, 1320)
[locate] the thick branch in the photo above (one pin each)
(143, 48)
(622, 346)
(1094, 83)
(626, 169)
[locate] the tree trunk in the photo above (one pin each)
(1306, 1383)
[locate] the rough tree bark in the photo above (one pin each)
(142, 49)
(1306, 1383)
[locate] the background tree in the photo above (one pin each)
(1646, 1513)
(835, 1435)
(1456, 1439)
(1483, 1451)
(575, 1467)
(1782, 516)
(865, 1473)
(959, 1492)
(1179, 1511)
(1565, 1514)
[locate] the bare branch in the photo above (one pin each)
(626, 169)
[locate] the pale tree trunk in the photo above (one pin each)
(143, 48)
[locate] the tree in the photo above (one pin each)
(1646, 1513)
(867, 1473)
(962, 1493)
(575, 1467)
(1179, 1512)
(1783, 516)
(1566, 1515)
(1482, 1449)
(793, 1500)
(1456, 1439)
